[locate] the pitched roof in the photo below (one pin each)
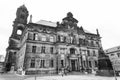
(47, 23)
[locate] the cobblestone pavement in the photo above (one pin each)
(12, 76)
(74, 77)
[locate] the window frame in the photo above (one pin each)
(32, 63)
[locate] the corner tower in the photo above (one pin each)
(19, 25)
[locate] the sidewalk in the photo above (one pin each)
(73, 77)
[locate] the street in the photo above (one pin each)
(12, 76)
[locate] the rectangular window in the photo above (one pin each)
(35, 36)
(51, 50)
(61, 38)
(88, 52)
(90, 64)
(43, 38)
(84, 63)
(43, 49)
(32, 64)
(95, 63)
(42, 64)
(30, 36)
(51, 39)
(62, 63)
(80, 41)
(92, 43)
(112, 54)
(94, 53)
(34, 49)
(97, 44)
(118, 54)
(52, 63)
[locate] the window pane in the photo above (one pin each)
(94, 53)
(90, 64)
(34, 49)
(51, 50)
(42, 64)
(62, 63)
(43, 38)
(51, 39)
(32, 65)
(88, 52)
(95, 63)
(43, 49)
(118, 54)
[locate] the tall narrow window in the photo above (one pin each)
(84, 63)
(92, 43)
(34, 49)
(80, 41)
(88, 52)
(52, 63)
(96, 64)
(35, 36)
(43, 49)
(97, 44)
(94, 53)
(51, 50)
(62, 63)
(61, 38)
(32, 64)
(51, 39)
(90, 64)
(42, 64)
(118, 54)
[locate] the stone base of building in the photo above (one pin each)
(105, 73)
(32, 72)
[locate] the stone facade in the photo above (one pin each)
(46, 47)
(114, 55)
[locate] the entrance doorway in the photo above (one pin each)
(73, 65)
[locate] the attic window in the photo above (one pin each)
(19, 32)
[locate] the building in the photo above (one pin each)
(2, 58)
(114, 55)
(1, 63)
(46, 47)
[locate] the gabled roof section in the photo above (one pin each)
(47, 23)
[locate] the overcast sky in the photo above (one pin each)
(103, 15)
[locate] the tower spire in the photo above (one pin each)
(30, 19)
(97, 32)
